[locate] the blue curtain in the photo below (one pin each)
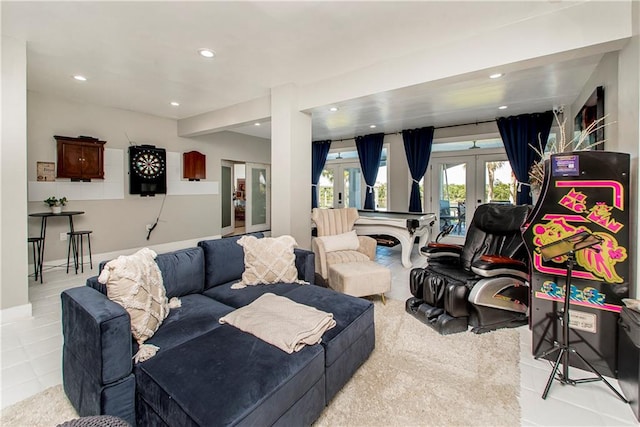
(369, 151)
(517, 133)
(319, 151)
(417, 147)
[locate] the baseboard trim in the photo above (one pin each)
(160, 248)
(16, 313)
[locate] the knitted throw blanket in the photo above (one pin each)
(281, 322)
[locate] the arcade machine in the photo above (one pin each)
(585, 192)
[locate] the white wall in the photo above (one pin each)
(120, 223)
(629, 134)
(13, 181)
(605, 75)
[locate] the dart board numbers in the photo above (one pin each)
(147, 170)
(148, 163)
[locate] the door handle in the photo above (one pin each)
(339, 198)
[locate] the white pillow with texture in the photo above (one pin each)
(341, 242)
(268, 260)
(135, 282)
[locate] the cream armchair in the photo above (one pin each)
(337, 222)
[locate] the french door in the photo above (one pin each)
(457, 184)
(341, 186)
(258, 197)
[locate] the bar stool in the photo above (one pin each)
(77, 246)
(37, 256)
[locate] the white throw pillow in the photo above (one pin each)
(341, 242)
(268, 260)
(135, 282)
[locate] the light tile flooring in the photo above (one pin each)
(31, 358)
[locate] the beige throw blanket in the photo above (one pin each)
(281, 322)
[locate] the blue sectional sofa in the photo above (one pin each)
(206, 373)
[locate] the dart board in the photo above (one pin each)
(147, 170)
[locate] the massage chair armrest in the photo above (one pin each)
(444, 253)
(305, 263)
(498, 265)
(97, 335)
(368, 246)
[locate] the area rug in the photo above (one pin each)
(414, 377)
(417, 377)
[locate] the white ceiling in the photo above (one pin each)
(140, 56)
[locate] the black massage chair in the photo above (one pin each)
(483, 284)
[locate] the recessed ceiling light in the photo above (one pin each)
(372, 126)
(333, 109)
(496, 75)
(502, 107)
(256, 124)
(80, 78)
(207, 53)
(175, 104)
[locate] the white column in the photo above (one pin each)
(290, 166)
(14, 286)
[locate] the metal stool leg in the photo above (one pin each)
(35, 262)
(89, 242)
(76, 252)
(40, 260)
(81, 254)
(68, 250)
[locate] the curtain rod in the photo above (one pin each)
(435, 127)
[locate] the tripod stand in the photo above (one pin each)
(569, 246)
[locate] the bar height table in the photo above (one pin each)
(43, 224)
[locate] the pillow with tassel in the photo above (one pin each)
(135, 282)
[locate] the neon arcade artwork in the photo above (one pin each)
(583, 191)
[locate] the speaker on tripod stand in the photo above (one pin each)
(568, 247)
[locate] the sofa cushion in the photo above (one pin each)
(197, 315)
(268, 260)
(182, 271)
(227, 377)
(352, 315)
(237, 298)
(223, 259)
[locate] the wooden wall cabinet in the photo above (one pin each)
(194, 166)
(81, 158)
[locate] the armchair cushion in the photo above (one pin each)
(341, 257)
(335, 227)
(341, 242)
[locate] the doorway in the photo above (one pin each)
(342, 184)
(245, 197)
(458, 183)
